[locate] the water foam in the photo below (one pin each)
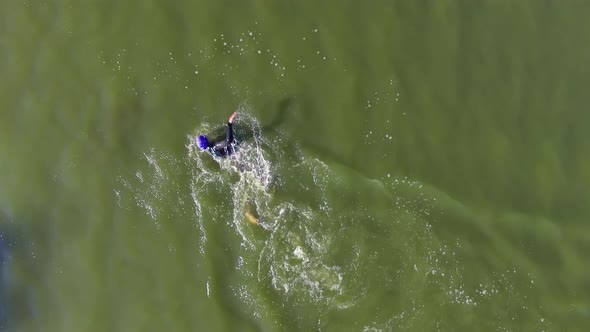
(293, 255)
(152, 188)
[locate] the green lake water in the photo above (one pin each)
(416, 166)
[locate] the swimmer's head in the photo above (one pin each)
(202, 142)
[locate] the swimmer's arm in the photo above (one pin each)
(229, 138)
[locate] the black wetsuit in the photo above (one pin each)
(226, 147)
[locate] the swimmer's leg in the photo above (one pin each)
(251, 219)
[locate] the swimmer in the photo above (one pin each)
(222, 148)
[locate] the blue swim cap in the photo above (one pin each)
(202, 142)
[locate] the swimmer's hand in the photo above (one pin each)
(231, 117)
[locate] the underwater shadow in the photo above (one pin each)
(289, 109)
(246, 133)
(284, 108)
